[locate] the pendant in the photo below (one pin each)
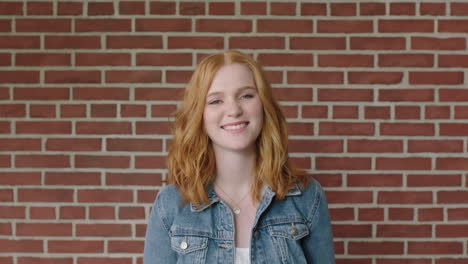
(236, 210)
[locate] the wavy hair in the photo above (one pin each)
(191, 160)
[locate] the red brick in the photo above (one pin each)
(43, 229)
(164, 59)
(406, 60)
(377, 43)
(41, 212)
(72, 42)
(451, 230)
(345, 60)
(402, 9)
(314, 111)
(406, 95)
(282, 9)
(198, 42)
(407, 231)
(150, 162)
(19, 77)
(284, 25)
(315, 77)
(319, 146)
(42, 111)
(133, 76)
(371, 214)
(345, 95)
(134, 42)
(20, 178)
(102, 260)
(43, 127)
(162, 8)
(73, 110)
(452, 197)
(345, 163)
(453, 95)
(459, 9)
(375, 77)
(376, 248)
(374, 146)
(163, 25)
(127, 110)
(5, 161)
(23, 245)
(435, 146)
(45, 260)
(126, 246)
(98, 93)
(407, 112)
(42, 161)
(435, 248)
(70, 246)
(163, 110)
(453, 25)
(100, 8)
(405, 25)
(224, 25)
(461, 112)
(431, 43)
(102, 128)
(283, 59)
(178, 76)
(6, 230)
(127, 179)
(103, 230)
(343, 9)
(406, 129)
(73, 178)
(103, 110)
(344, 111)
(12, 110)
(379, 180)
(132, 212)
(300, 128)
(41, 93)
(69, 8)
(348, 230)
(437, 112)
(128, 144)
(313, 9)
(253, 8)
(413, 163)
(222, 8)
(432, 9)
(43, 25)
(346, 128)
(192, 8)
(318, 43)
(39, 8)
(452, 163)
(5, 25)
(6, 195)
(400, 214)
(404, 197)
(293, 94)
(344, 26)
(75, 144)
(132, 8)
(5, 59)
(372, 9)
(453, 129)
(455, 214)
(73, 76)
(102, 212)
(105, 196)
(43, 59)
(103, 25)
(158, 94)
(45, 195)
(12, 212)
(103, 59)
(94, 161)
(377, 112)
(72, 212)
(11, 8)
(430, 214)
(453, 60)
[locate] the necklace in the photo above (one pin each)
(236, 209)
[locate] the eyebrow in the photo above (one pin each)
(240, 90)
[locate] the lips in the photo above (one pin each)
(236, 126)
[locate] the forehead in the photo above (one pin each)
(232, 76)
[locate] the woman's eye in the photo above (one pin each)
(248, 96)
(214, 102)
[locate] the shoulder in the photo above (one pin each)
(167, 201)
(310, 199)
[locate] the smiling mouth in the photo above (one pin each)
(235, 127)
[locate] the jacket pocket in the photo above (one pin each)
(191, 249)
(286, 239)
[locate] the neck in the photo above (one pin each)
(234, 171)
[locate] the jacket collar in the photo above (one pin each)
(266, 191)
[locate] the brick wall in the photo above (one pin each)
(375, 94)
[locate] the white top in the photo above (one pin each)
(242, 255)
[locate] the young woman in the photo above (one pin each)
(233, 195)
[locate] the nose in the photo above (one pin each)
(234, 109)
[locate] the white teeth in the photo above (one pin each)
(235, 127)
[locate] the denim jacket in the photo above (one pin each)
(295, 230)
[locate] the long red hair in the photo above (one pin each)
(191, 160)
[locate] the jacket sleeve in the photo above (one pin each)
(318, 245)
(158, 241)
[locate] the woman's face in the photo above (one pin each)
(233, 114)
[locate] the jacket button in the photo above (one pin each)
(183, 245)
